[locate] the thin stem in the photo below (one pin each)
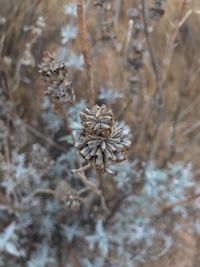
(181, 202)
(94, 187)
(85, 49)
(43, 137)
(82, 169)
(39, 191)
(129, 33)
(154, 63)
(159, 95)
(181, 18)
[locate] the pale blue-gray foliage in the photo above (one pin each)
(169, 185)
(52, 120)
(71, 231)
(70, 9)
(41, 257)
(75, 60)
(134, 225)
(75, 121)
(22, 175)
(70, 59)
(64, 164)
(9, 241)
(68, 32)
(109, 95)
(99, 238)
(98, 262)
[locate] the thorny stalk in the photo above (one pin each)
(85, 49)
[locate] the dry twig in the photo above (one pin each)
(85, 49)
(181, 202)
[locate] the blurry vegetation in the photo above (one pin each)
(143, 63)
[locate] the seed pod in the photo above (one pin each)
(98, 147)
(68, 196)
(98, 120)
(158, 9)
(52, 70)
(59, 85)
(61, 94)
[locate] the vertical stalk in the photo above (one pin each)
(85, 49)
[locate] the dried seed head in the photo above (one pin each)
(97, 147)
(59, 85)
(52, 70)
(99, 121)
(136, 54)
(133, 13)
(158, 9)
(61, 94)
(68, 196)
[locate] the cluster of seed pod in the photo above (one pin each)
(158, 9)
(59, 86)
(102, 143)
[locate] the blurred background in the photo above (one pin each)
(145, 59)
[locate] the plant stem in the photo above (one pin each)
(85, 49)
(181, 202)
(154, 63)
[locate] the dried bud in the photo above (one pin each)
(133, 13)
(107, 31)
(136, 54)
(97, 147)
(68, 196)
(158, 9)
(99, 121)
(52, 70)
(61, 94)
(59, 85)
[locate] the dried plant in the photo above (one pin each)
(76, 189)
(59, 86)
(102, 143)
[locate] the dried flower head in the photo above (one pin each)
(158, 9)
(60, 94)
(68, 196)
(52, 70)
(59, 85)
(136, 54)
(98, 121)
(102, 143)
